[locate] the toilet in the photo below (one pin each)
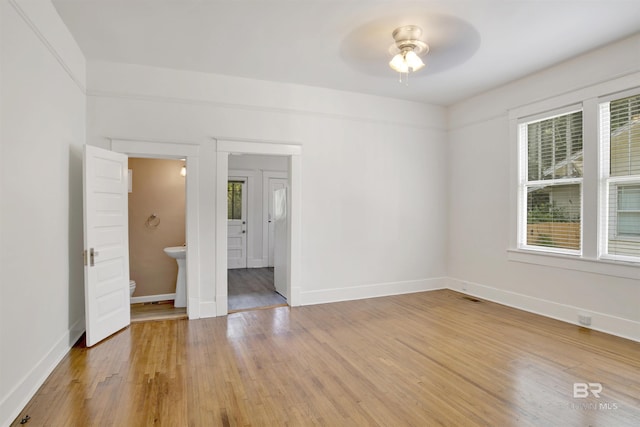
(132, 287)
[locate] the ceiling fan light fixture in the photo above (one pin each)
(399, 64)
(413, 61)
(408, 48)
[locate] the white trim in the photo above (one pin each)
(208, 309)
(255, 263)
(80, 81)
(602, 322)
(155, 149)
(222, 175)
(577, 263)
(599, 89)
(245, 146)
(153, 298)
(224, 147)
(550, 114)
(373, 290)
(590, 181)
(20, 395)
(266, 109)
(605, 99)
(150, 148)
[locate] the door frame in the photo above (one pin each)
(225, 147)
(266, 176)
(190, 152)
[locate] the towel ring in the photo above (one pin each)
(152, 222)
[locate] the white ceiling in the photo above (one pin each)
(342, 44)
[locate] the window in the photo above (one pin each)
(234, 199)
(551, 183)
(576, 180)
(620, 164)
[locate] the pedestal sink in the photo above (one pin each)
(179, 253)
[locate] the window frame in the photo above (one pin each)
(524, 183)
(606, 229)
(589, 98)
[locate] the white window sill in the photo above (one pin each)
(629, 270)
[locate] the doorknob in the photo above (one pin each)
(244, 231)
(92, 255)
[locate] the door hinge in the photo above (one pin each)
(84, 257)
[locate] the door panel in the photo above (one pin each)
(280, 220)
(106, 236)
(237, 223)
(274, 184)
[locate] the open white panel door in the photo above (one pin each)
(280, 241)
(274, 184)
(106, 243)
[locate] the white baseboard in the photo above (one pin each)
(371, 291)
(153, 298)
(207, 309)
(18, 397)
(193, 308)
(255, 263)
(624, 328)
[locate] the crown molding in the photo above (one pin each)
(47, 44)
(249, 107)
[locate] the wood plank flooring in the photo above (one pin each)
(161, 310)
(424, 359)
(251, 288)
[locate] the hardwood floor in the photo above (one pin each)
(162, 310)
(251, 288)
(433, 358)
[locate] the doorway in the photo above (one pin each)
(291, 263)
(189, 152)
(157, 218)
(253, 282)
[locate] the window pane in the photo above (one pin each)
(628, 221)
(229, 201)
(234, 200)
(629, 224)
(553, 216)
(554, 148)
(237, 201)
(625, 136)
(629, 198)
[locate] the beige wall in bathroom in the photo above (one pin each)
(158, 188)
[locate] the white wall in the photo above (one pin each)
(257, 165)
(373, 199)
(43, 129)
(481, 212)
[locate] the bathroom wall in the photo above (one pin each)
(158, 188)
